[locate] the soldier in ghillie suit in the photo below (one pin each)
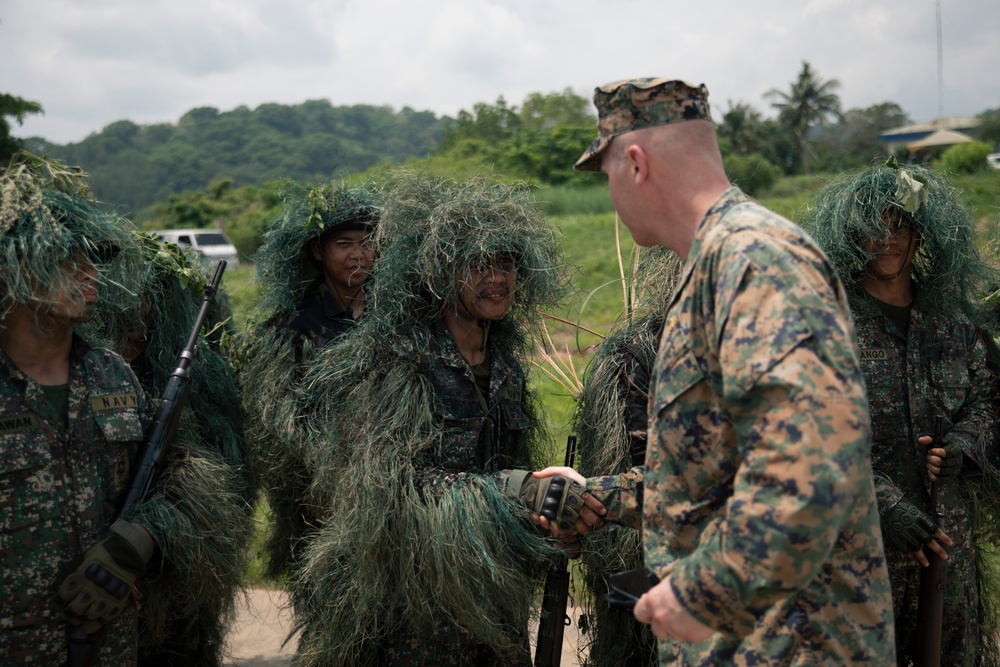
(611, 425)
(311, 269)
(758, 505)
(421, 430)
(903, 244)
(203, 508)
(71, 421)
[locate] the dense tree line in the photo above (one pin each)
(134, 166)
(225, 169)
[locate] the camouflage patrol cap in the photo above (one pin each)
(634, 104)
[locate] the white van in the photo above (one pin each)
(209, 243)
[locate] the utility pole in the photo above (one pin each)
(940, 61)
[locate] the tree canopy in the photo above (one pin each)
(809, 102)
(16, 109)
(134, 166)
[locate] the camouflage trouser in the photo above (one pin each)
(961, 626)
(44, 643)
(446, 646)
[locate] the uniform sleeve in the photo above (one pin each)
(972, 423)
(621, 495)
(793, 392)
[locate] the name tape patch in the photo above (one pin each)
(114, 402)
(874, 354)
(18, 423)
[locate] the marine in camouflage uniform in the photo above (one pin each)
(758, 510)
(203, 512)
(923, 358)
(298, 314)
(423, 557)
(611, 425)
(67, 451)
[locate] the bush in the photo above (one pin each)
(752, 173)
(965, 158)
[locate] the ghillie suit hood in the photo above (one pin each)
(271, 371)
(398, 553)
(201, 511)
(284, 268)
(49, 220)
(950, 274)
(947, 267)
(610, 424)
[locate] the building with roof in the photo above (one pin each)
(900, 137)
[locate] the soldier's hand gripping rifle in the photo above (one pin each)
(930, 603)
(553, 621)
(84, 640)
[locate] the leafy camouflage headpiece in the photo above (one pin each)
(434, 231)
(43, 228)
(170, 285)
(624, 106)
(947, 266)
(284, 268)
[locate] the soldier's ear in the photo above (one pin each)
(314, 250)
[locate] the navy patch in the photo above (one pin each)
(114, 402)
(18, 423)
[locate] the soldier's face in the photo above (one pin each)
(892, 254)
(73, 298)
(488, 289)
(346, 257)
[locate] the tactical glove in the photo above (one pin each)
(100, 579)
(557, 498)
(951, 466)
(907, 528)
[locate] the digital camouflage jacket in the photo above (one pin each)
(938, 367)
(60, 485)
(759, 502)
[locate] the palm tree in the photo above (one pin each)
(808, 103)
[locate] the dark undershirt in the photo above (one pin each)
(58, 397)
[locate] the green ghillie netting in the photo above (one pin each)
(202, 516)
(613, 638)
(43, 230)
(387, 558)
(947, 266)
(951, 274)
(270, 373)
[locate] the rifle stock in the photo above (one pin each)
(83, 648)
(930, 604)
(553, 621)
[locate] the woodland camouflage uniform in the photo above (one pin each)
(203, 509)
(60, 474)
(421, 559)
(611, 424)
(936, 365)
(293, 320)
(759, 502)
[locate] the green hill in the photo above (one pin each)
(134, 166)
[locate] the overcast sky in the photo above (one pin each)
(93, 62)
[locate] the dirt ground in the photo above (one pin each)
(264, 621)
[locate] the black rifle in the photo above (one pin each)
(930, 604)
(83, 648)
(553, 621)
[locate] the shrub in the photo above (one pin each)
(752, 173)
(965, 158)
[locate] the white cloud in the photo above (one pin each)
(92, 63)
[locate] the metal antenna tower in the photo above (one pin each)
(940, 61)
